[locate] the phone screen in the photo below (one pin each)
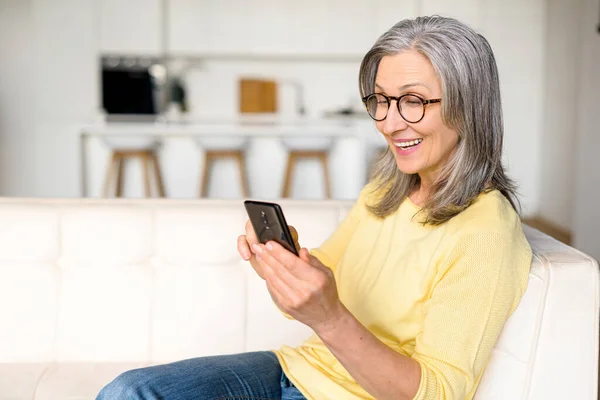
(269, 223)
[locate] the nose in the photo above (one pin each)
(394, 121)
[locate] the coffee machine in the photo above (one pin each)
(133, 87)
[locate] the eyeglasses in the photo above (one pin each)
(410, 107)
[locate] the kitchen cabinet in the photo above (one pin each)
(350, 27)
(466, 11)
(208, 27)
(388, 12)
(131, 27)
(331, 29)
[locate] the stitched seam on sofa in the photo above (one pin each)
(596, 321)
(42, 376)
(539, 322)
(153, 283)
(594, 271)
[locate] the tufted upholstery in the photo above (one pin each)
(90, 288)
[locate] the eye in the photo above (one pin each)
(412, 101)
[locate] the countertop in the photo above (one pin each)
(241, 126)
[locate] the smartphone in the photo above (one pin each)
(269, 223)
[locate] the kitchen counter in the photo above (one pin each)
(242, 126)
(181, 155)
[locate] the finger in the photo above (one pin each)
(274, 291)
(294, 233)
(315, 262)
(250, 233)
(244, 248)
(264, 266)
(304, 255)
(312, 260)
(282, 272)
(266, 257)
(284, 295)
(296, 266)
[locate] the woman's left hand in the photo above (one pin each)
(301, 286)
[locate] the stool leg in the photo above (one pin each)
(111, 170)
(157, 175)
(239, 156)
(205, 174)
(146, 172)
(121, 162)
(323, 157)
(291, 161)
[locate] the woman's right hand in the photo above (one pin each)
(245, 243)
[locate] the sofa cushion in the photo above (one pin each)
(190, 235)
(29, 233)
(104, 314)
(265, 325)
(19, 381)
(100, 235)
(198, 310)
(28, 310)
(78, 381)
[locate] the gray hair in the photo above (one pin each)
(471, 105)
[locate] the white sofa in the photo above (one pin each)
(90, 288)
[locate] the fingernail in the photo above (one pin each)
(256, 248)
(246, 256)
(269, 246)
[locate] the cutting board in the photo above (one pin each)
(257, 96)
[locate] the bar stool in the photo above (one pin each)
(223, 148)
(123, 149)
(307, 148)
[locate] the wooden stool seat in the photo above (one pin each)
(294, 156)
(150, 166)
(213, 155)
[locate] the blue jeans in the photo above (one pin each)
(247, 376)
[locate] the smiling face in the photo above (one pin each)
(426, 146)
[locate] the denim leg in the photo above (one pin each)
(251, 376)
(288, 390)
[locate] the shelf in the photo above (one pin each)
(281, 57)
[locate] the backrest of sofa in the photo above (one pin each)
(154, 281)
(548, 348)
(145, 281)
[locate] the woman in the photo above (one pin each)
(408, 296)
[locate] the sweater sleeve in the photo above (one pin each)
(331, 251)
(477, 286)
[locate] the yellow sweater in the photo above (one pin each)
(438, 294)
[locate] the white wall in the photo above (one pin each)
(561, 104)
(515, 30)
(69, 35)
(16, 98)
(48, 88)
(66, 37)
(587, 164)
(141, 19)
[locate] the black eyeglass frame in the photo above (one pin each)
(398, 99)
